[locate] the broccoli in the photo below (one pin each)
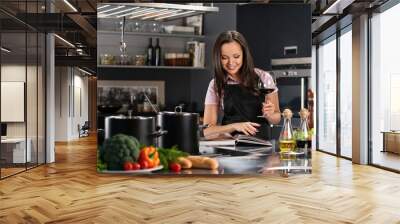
(119, 149)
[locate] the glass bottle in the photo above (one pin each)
(287, 142)
(150, 52)
(303, 140)
(157, 53)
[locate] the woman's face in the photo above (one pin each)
(231, 57)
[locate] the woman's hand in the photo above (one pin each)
(268, 109)
(248, 128)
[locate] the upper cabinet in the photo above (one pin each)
(125, 31)
(270, 28)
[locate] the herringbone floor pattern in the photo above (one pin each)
(70, 191)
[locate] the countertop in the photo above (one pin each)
(251, 161)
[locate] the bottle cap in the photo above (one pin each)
(304, 113)
(287, 113)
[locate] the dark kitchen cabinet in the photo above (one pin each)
(268, 28)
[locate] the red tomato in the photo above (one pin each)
(175, 167)
(144, 164)
(135, 166)
(128, 166)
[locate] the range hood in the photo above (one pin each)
(151, 11)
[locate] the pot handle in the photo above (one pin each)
(201, 130)
(158, 133)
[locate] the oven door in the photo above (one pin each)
(292, 93)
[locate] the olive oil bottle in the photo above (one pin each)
(287, 142)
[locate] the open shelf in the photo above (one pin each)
(150, 67)
(152, 34)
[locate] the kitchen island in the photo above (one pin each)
(255, 160)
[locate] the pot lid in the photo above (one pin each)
(123, 117)
(172, 113)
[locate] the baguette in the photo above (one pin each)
(185, 163)
(203, 162)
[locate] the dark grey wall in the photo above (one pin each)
(214, 24)
(268, 28)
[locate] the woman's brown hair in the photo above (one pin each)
(247, 76)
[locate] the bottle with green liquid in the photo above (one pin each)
(304, 136)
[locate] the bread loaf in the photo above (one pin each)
(203, 162)
(185, 163)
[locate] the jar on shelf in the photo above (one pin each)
(140, 60)
(136, 26)
(179, 59)
(186, 59)
(107, 59)
(155, 27)
(124, 59)
(170, 59)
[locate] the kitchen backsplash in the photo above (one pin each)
(134, 96)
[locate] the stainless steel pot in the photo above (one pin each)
(183, 130)
(142, 128)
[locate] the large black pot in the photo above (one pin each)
(142, 128)
(183, 130)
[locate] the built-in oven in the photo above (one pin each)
(292, 77)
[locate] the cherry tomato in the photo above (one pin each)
(144, 164)
(135, 166)
(128, 166)
(175, 167)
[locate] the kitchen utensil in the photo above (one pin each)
(142, 128)
(124, 57)
(183, 130)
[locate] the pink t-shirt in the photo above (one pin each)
(212, 96)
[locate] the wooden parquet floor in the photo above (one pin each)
(70, 191)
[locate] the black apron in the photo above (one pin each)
(241, 105)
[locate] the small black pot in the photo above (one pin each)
(142, 128)
(183, 131)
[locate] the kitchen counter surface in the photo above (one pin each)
(251, 161)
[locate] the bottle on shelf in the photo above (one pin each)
(150, 52)
(157, 53)
(287, 142)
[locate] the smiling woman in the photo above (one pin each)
(235, 90)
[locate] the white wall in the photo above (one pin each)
(14, 73)
(62, 82)
(71, 93)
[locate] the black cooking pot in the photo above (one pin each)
(182, 128)
(142, 128)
